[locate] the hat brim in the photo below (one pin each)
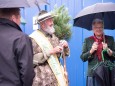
(44, 17)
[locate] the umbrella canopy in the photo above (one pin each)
(113, 77)
(41, 2)
(104, 11)
(102, 75)
(20, 3)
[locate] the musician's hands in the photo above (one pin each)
(105, 47)
(57, 49)
(94, 47)
(110, 52)
(63, 43)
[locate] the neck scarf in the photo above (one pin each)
(100, 46)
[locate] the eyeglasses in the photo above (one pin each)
(98, 27)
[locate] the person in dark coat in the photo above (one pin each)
(92, 48)
(16, 53)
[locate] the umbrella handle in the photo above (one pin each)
(102, 53)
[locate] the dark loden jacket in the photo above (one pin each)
(16, 55)
(92, 59)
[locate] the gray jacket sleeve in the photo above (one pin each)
(112, 46)
(85, 52)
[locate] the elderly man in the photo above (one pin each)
(92, 51)
(47, 49)
(16, 54)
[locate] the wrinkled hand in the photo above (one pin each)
(63, 43)
(57, 49)
(110, 52)
(94, 47)
(105, 46)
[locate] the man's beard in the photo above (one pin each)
(49, 30)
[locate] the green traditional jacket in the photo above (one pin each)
(93, 59)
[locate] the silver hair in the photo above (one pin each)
(97, 21)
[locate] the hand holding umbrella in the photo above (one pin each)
(94, 47)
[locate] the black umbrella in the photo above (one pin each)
(20, 3)
(101, 74)
(104, 11)
(113, 77)
(104, 72)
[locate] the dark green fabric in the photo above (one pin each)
(93, 59)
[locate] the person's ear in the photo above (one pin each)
(13, 18)
(42, 25)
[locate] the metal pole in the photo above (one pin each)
(46, 7)
(102, 1)
(82, 42)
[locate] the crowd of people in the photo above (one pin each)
(34, 60)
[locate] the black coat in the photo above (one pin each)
(16, 56)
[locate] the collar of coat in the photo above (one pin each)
(10, 23)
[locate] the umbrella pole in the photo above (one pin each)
(102, 1)
(103, 27)
(104, 37)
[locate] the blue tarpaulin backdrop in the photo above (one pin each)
(76, 68)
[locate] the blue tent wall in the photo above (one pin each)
(75, 67)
